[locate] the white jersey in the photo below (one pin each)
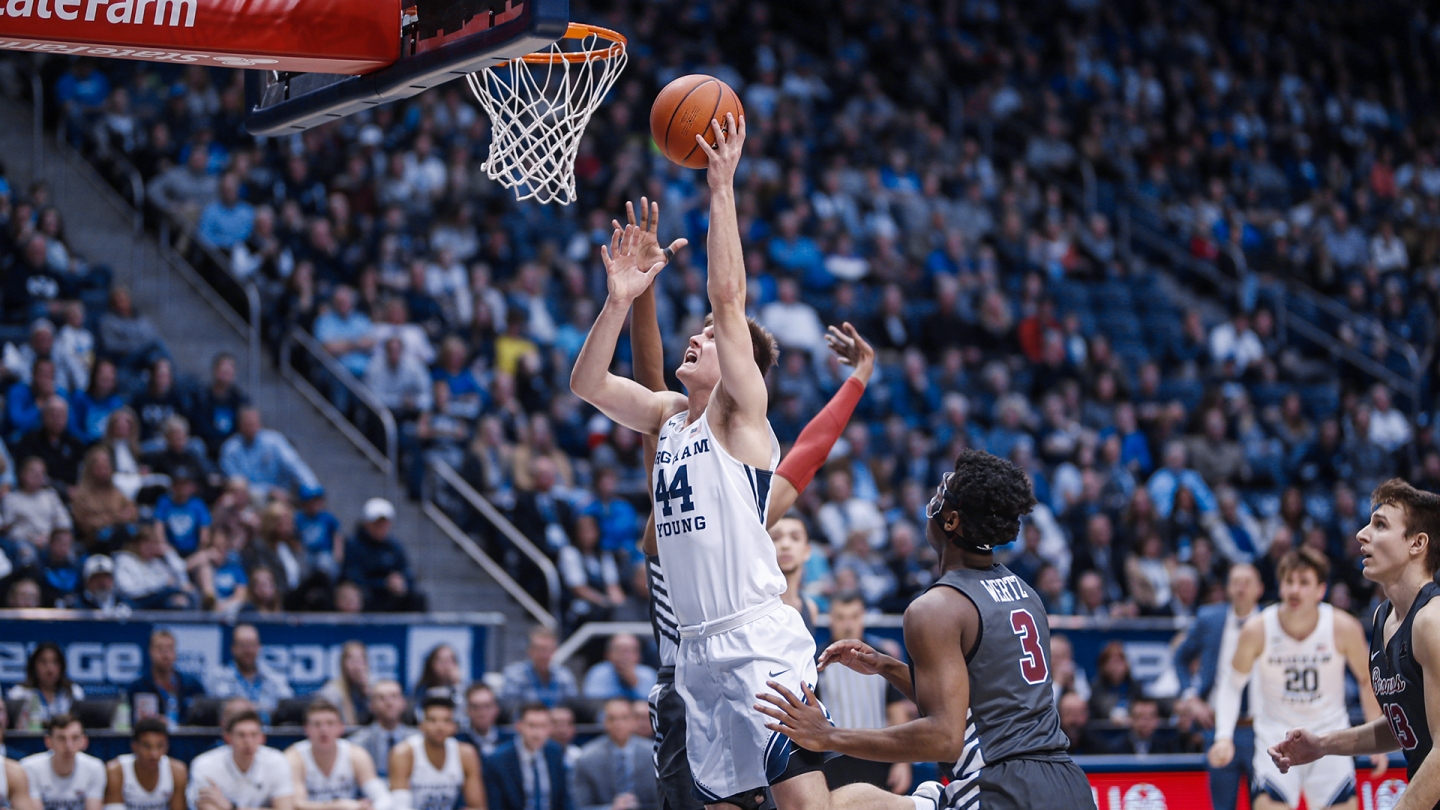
(436, 788)
(54, 792)
(269, 777)
(710, 524)
(136, 796)
(1298, 683)
(339, 783)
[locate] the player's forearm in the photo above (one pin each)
(1423, 792)
(897, 675)
(812, 447)
(1227, 691)
(726, 283)
(1374, 737)
(924, 740)
(592, 365)
(645, 342)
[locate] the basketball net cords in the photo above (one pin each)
(538, 114)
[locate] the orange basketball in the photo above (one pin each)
(685, 109)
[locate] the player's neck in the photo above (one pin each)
(63, 767)
(324, 756)
(958, 559)
(1405, 588)
(242, 761)
(1299, 623)
(699, 400)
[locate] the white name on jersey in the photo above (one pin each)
(1005, 589)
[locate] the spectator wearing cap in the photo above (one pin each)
(377, 563)
(150, 575)
(53, 443)
(99, 591)
(246, 675)
(346, 332)
(264, 457)
(319, 532)
(34, 510)
(217, 408)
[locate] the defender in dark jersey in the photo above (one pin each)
(1401, 552)
(979, 644)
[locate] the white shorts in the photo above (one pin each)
(719, 675)
(1325, 782)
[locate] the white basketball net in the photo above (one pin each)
(538, 110)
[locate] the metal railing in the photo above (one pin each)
(497, 521)
(313, 365)
(497, 572)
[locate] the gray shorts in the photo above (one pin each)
(1023, 784)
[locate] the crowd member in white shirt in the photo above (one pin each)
(65, 777)
(146, 778)
(330, 772)
(242, 774)
(1388, 426)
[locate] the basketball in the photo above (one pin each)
(684, 109)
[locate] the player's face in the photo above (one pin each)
(1384, 548)
(67, 742)
(438, 724)
(792, 545)
(1301, 589)
(322, 729)
(700, 367)
(245, 738)
(149, 748)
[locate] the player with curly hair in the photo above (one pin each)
(980, 669)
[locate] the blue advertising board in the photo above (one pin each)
(105, 655)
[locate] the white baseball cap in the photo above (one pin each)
(378, 509)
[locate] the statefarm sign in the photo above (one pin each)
(1190, 790)
(309, 36)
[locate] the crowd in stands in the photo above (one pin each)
(908, 171)
(126, 487)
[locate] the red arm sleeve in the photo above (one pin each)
(813, 447)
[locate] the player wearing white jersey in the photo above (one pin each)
(433, 770)
(242, 774)
(713, 464)
(146, 778)
(330, 772)
(65, 777)
(1295, 654)
(14, 786)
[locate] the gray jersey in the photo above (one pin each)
(1012, 711)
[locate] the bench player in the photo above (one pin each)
(1399, 552)
(432, 770)
(65, 777)
(147, 778)
(714, 462)
(332, 773)
(1297, 651)
(979, 645)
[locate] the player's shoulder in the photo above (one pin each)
(178, 768)
(36, 760)
(939, 607)
(1426, 626)
(293, 751)
(115, 768)
(210, 759)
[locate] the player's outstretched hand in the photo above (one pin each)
(802, 720)
(852, 349)
(651, 253)
(1379, 763)
(1221, 753)
(856, 655)
(1299, 747)
(626, 277)
(724, 156)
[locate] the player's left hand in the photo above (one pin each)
(648, 242)
(1378, 764)
(724, 156)
(852, 350)
(802, 720)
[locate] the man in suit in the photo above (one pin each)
(528, 773)
(1212, 639)
(387, 704)
(615, 771)
(483, 710)
(1145, 737)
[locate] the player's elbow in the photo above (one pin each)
(726, 291)
(949, 742)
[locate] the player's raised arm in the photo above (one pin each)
(646, 347)
(813, 445)
(742, 384)
(1230, 681)
(626, 401)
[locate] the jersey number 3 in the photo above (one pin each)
(1032, 660)
(679, 489)
(1400, 725)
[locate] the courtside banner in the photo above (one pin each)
(104, 656)
(1190, 790)
(307, 36)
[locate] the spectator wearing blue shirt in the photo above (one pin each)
(246, 676)
(264, 457)
(229, 219)
(1174, 476)
(22, 401)
(799, 254)
(82, 89)
(377, 563)
(619, 522)
(319, 531)
(346, 333)
(620, 675)
(60, 567)
(186, 518)
(468, 399)
(538, 679)
(90, 409)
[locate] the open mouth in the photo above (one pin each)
(692, 356)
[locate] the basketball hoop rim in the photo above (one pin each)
(581, 31)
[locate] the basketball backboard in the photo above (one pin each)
(440, 40)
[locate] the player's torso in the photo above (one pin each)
(1398, 681)
(1300, 682)
(136, 796)
(436, 788)
(67, 792)
(339, 783)
(1012, 709)
(710, 524)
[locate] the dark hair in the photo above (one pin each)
(1422, 514)
(60, 722)
(1303, 557)
(428, 678)
(433, 701)
(532, 706)
(63, 683)
(319, 705)
(846, 598)
(240, 717)
(478, 686)
(763, 345)
(150, 725)
(990, 495)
